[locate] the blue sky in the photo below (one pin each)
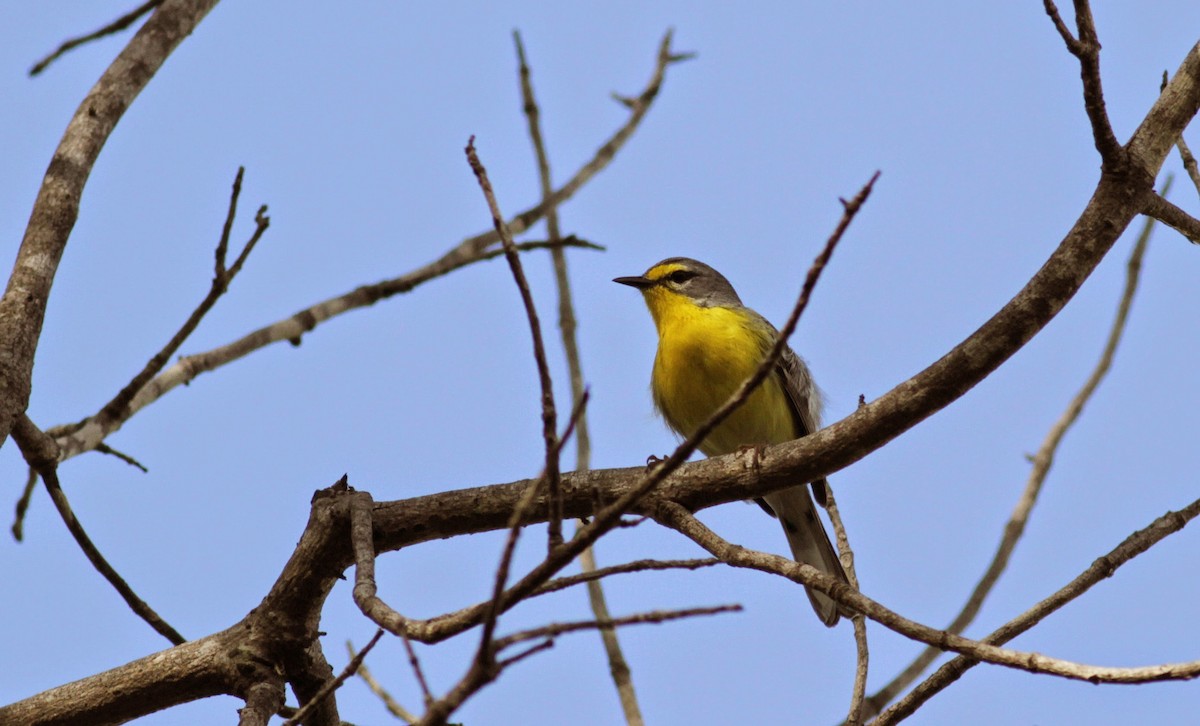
(351, 127)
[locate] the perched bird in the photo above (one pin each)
(708, 344)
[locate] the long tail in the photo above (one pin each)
(809, 542)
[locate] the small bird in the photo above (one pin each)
(708, 344)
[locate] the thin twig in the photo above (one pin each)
(391, 704)
(680, 519)
(18, 525)
(418, 672)
(617, 665)
(1185, 154)
(589, 575)
(110, 451)
(655, 616)
(1102, 568)
(1086, 48)
(115, 26)
(1189, 162)
(862, 653)
(549, 413)
(119, 409)
(334, 684)
(86, 435)
(41, 453)
(1042, 462)
(222, 277)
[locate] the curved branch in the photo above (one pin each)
(23, 307)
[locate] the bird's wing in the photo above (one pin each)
(806, 403)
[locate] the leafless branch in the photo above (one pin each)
(78, 438)
(677, 517)
(589, 575)
(334, 684)
(118, 409)
(656, 616)
(18, 525)
(86, 437)
(23, 306)
(1101, 569)
(222, 277)
(618, 666)
(41, 453)
(1042, 461)
(1086, 48)
(862, 653)
(115, 26)
(549, 414)
(1189, 162)
(1164, 211)
(391, 704)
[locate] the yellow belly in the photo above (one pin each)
(703, 356)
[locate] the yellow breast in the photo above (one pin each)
(704, 354)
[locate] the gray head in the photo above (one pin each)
(687, 277)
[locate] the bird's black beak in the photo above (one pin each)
(639, 282)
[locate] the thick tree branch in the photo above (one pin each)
(23, 306)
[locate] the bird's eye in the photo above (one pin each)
(678, 277)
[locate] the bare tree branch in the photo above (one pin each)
(862, 653)
(1101, 569)
(1185, 224)
(470, 250)
(656, 616)
(41, 453)
(115, 26)
(336, 683)
(677, 517)
(549, 414)
(1086, 47)
(391, 704)
(1042, 461)
(78, 438)
(23, 306)
(618, 666)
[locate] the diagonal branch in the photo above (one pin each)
(470, 250)
(41, 453)
(1164, 211)
(677, 517)
(328, 689)
(23, 306)
(115, 26)
(1100, 570)
(222, 277)
(1042, 461)
(549, 412)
